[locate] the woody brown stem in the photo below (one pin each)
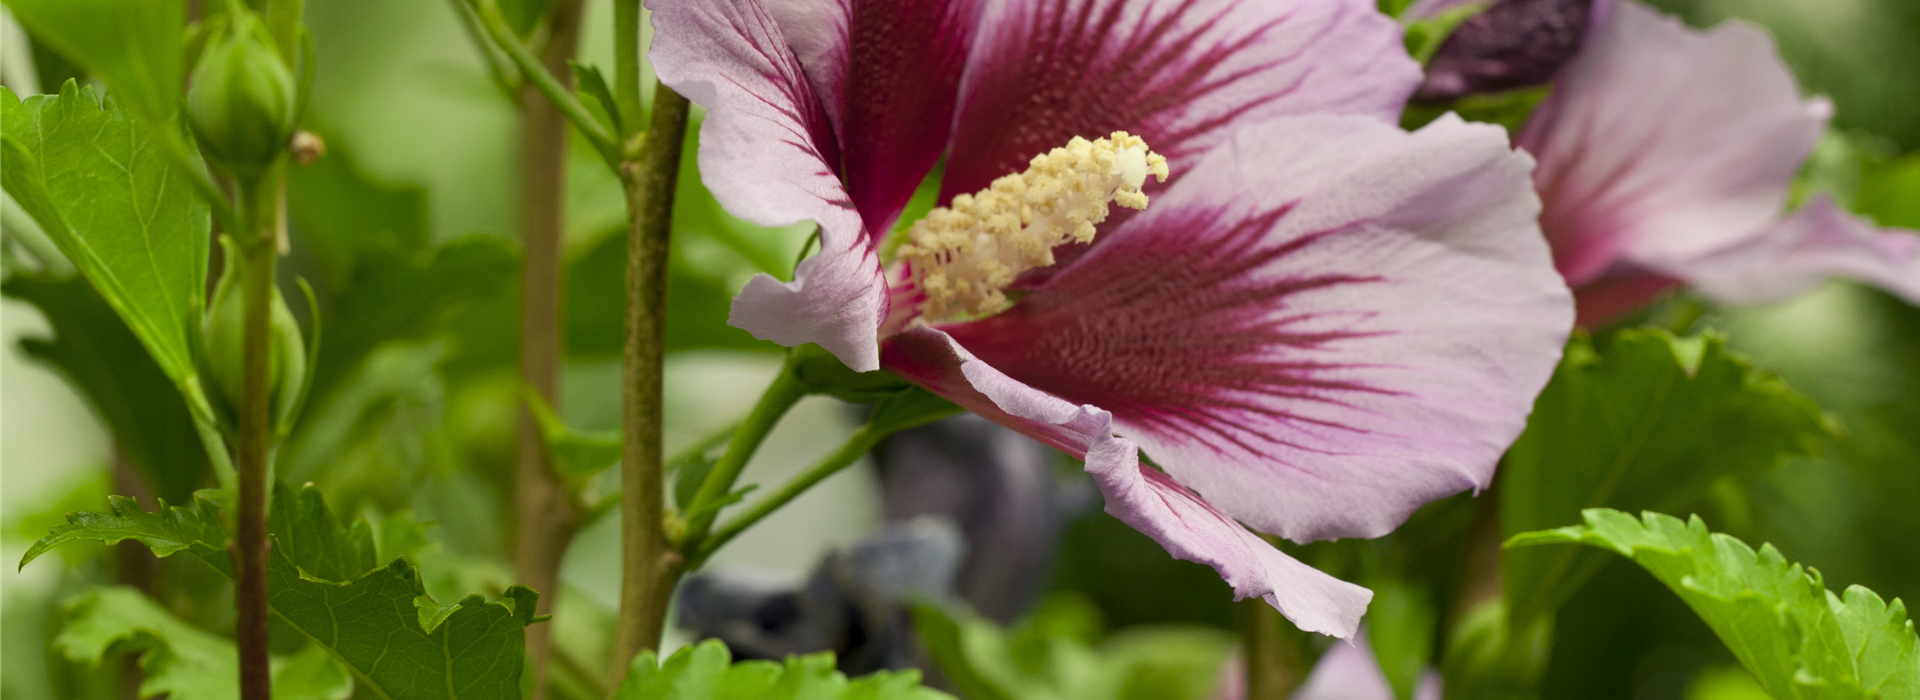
(546, 518)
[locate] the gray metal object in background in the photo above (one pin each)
(1004, 490)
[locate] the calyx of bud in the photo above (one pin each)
(242, 96)
(223, 346)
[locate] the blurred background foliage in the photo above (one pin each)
(407, 230)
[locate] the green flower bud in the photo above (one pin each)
(241, 99)
(1488, 656)
(223, 344)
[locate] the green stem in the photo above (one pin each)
(260, 256)
(786, 390)
(650, 565)
(1274, 662)
(859, 444)
(544, 81)
(217, 455)
(283, 16)
(626, 64)
(498, 65)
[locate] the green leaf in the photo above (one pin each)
(1796, 637)
(1509, 109)
(195, 526)
(594, 85)
(402, 294)
(705, 671)
(1401, 622)
(309, 536)
(1725, 683)
(397, 643)
(690, 466)
(1055, 654)
(129, 221)
(134, 46)
(179, 660)
(92, 348)
(1426, 34)
(1890, 192)
(1640, 421)
(376, 434)
(909, 408)
(576, 456)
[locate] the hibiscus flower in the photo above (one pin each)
(1666, 156)
(1313, 323)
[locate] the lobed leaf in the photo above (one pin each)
(1642, 421)
(705, 671)
(576, 455)
(1052, 655)
(194, 527)
(100, 187)
(1796, 637)
(395, 641)
(136, 47)
(180, 661)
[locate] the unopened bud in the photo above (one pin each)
(241, 99)
(1513, 44)
(223, 334)
(307, 147)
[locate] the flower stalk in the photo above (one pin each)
(859, 444)
(786, 390)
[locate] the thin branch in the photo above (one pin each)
(499, 67)
(543, 80)
(626, 65)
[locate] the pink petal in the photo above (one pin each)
(1140, 496)
(1326, 324)
(1179, 73)
(1661, 142)
(1793, 256)
(1351, 672)
(1346, 672)
(888, 72)
(767, 153)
